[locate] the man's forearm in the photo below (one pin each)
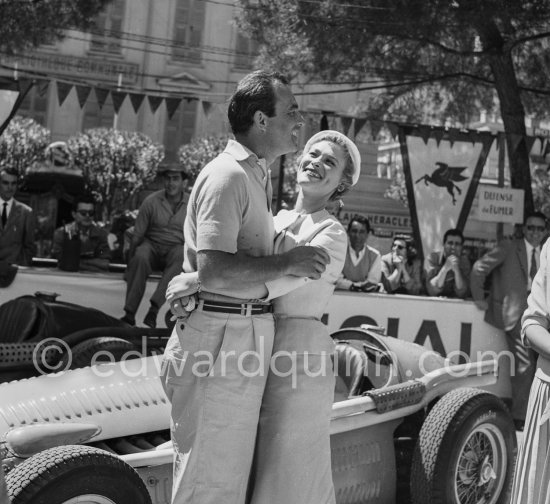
(221, 270)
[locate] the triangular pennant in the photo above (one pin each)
(324, 123)
(438, 135)
(42, 86)
(359, 123)
(375, 127)
(154, 102)
(546, 148)
(172, 105)
(101, 95)
(346, 124)
(63, 90)
(136, 99)
(82, 93)
(424, 132)
(118, 98)
(206, 108)
(393, 129)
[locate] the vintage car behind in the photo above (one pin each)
(406, 426)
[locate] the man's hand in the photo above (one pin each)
(481, 304)
(306, 261)
(181, 285)
(452, 263)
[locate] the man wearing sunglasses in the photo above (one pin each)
(512, 266)
(81, 245)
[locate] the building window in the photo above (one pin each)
(95, 117)
(179, 130)
(35, 106)
(108, 26)
(188, 30)
(246, 50)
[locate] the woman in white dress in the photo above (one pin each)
(532, 475)
(292, 460)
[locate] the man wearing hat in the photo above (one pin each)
(157, 243)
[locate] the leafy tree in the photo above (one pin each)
(197, 153)
(428, 59)
(115, 164)
(29, 23)
(22, 143)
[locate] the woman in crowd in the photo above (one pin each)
(532, 476)
(293, 460)
(401, 270)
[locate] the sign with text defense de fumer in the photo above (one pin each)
(499, 204)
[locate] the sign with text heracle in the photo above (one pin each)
(498, 204)
(442, 171)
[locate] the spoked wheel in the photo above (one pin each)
(465, 451)
(480, 468)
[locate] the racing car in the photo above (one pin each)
(406, 426)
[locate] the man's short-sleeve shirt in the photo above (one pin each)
(228, 209)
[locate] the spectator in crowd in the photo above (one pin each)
(447, 272)
(81, 245)
(512, 265)
(16, 223)
(401, 270)
(363, 268)
(157, 243)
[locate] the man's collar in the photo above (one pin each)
(241, 152)
(528, 246)
(9, 202)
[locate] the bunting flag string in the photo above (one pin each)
(118, 98)
(82, 93)
(136, 99)
(172, 105)
(101, 95)
(63, 90)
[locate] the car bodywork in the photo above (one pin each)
(388, 393)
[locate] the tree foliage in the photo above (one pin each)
(423, 60)
(29, 23)
(22, 143)
(115, 164)
(196, 154)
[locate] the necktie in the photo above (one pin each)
(4, 214)
(533, 269)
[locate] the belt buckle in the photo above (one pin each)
(246, 310)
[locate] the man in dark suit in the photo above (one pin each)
(512, 265)
(16, 223)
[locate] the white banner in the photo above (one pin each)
(499, 204)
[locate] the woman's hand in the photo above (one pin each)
(182, 285)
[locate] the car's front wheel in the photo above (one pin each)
(465, 451)
(75, 473)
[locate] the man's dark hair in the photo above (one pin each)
(361, 220)
(453, 232)
(256, 91)
(539, 215)
(85, 198)
(10, 171)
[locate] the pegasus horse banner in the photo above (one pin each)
(442, 171)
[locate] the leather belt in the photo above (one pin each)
(245, 309)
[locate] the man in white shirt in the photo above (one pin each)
(16, 223)
(363, 267)
(512, 265)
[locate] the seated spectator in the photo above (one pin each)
(81, 245)
(362, 270)
(156, 243)
(448, 271)
(401, 270)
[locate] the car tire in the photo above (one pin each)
(465, 451)
(95, 350)
(65, 473)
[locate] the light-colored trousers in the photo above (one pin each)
(214, 374)
(292, 464)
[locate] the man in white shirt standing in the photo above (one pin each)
(16, 223)
(512, 265)
(363, 267)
